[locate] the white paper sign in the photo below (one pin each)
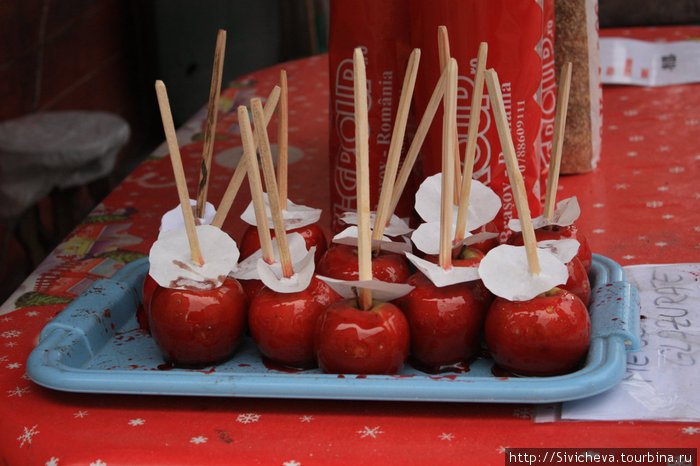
(663, 378)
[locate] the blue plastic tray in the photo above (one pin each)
(95, 346)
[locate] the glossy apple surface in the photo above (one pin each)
(341, 262)
(349, 340)
(282, 324)
(554, 232)
(149, 286)
(578, 282)
(547, 335)
(313, 236)
(195, 328)
(488, 244)
(446, 323)
(252, 288)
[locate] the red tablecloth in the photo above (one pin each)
(639, 206)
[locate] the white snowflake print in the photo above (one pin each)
(80, 414)
(446, 436)
(522, 413)
(199, 440)
(690, 430)
(18, 392)
(248, 418)
(291, 463)
(98, 463)
(10, 344)
(14, 365)
(654, 204)
(52, 462)
(502, 449)
(636, 138)
(621, 186)
(598, 231)
(667, 216)
(3, 358)
(599, 205)
(662, 188)
(137, 422)
(370, 432)
(632, 154)
(676, 169)
(27, 435)
(10, 333)
(6, 319)
(628, 257)
(306, 418)
(32, 313)
(665, 149)
(661, 244)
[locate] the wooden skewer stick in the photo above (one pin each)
(210, 129)
(418, 139)
(474, 117)
(364, 244)
(271, 185)
(383, 216)
(283, 140)
(514, 175)
(255, 182)
(450, 106)
(241, 169)
(558, 140)
(444, 56)
(178, 171)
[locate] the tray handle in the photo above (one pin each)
(614, 313)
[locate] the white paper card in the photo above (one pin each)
(663, 378)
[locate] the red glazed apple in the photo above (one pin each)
(446, 322)
(312, 234)
(197, 328)
(578, 282)
(149, 286)
(353, 341)
(488, 244)
(340, 262)
(282, 324)
(553, 232)
(547, 335)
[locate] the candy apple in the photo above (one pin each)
(149, 286)
(445, 322)
(341, 262)
(282, 324)
(578, 282)
(252, 287)
(197, 328)
(354, 341)
(547, 335)
(488, 244)
(313, 236)
(553, 232)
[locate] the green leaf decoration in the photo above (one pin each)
(34, 298)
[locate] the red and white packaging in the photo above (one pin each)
(548, 97)
(381, 29)
(513, 31)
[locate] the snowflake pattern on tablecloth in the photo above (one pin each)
(248, 418)
(14, 365)
(291, 463)
(370, 432)
(199, 440)
(137, 422)
(306, 418)
(3, 358)
(18, 392)
(80, 414)
(32, 313)
(446, 436)
(28, 435)
(53, 461)
(10, 344)
(10, 334)
(6, 319)
(501, 449)
(690, 430)
(98, 462)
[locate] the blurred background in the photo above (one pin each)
(106, 54)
